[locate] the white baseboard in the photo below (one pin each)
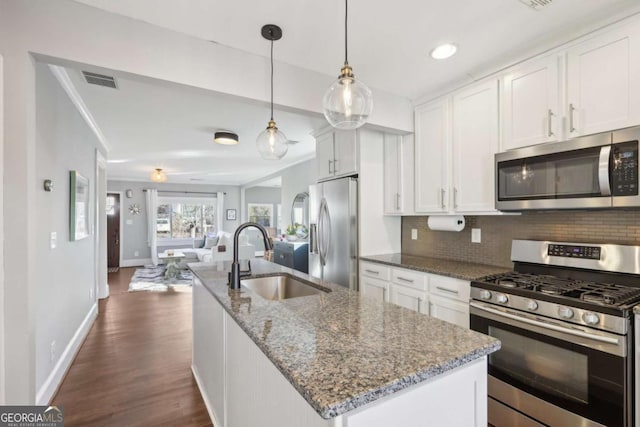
(53, 381)
(135, 262)
(205, 397)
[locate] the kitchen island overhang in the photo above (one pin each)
(340, 351)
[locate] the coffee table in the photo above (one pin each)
(171, 259)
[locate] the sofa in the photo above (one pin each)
(211, 250)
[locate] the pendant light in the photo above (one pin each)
(348, 102)
(158, 175)
(272, 144)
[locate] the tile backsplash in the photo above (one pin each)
(610, 226)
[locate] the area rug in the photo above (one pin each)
(152, 279)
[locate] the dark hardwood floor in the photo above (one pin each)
(134, 368)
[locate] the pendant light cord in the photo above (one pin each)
(346, 6)
(272, 77)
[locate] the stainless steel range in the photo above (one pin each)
(564, 316)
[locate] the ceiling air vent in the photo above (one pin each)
(536, 4)
(100, 80)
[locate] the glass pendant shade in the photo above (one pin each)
(271, 143)
(348, 102)
(158, 175)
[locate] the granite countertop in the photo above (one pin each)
(341, 350)
(444, 267)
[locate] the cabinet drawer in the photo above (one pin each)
(375, 288)
(412, 279)
(378, 271)
(451, 311)
(449, 287)
(410, 298)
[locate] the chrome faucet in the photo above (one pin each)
(234, 275)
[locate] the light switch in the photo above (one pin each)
(476, 235)
(414, 234)
(53, 240)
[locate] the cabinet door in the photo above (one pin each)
(324, 155)
(451, 311)
(531, 105)
(603, 82)
(410, 298)
(431, 157)
(393, 174)
(475, 142)
(375, 288)
(345, 152)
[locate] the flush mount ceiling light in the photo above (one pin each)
(158, 175)
(225, 138)
(271, 143)
(348, 102)
(444, 51)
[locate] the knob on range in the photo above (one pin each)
(502, 298)
(532, 305)
(590, 318)
(485, 294)
(565, 312)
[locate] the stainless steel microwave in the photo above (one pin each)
(590, 172)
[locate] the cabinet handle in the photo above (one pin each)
(451, 291)
(455, 198)
(442, 191)
(549, 129)
(404, 280)
(571, 110)
(398, 201)
(335, 165)
(372, 271)
(330, 171)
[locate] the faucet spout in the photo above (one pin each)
(234, 275)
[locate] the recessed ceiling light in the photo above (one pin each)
(444, 51)
(226, 138)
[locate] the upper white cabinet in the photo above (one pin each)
(432, 135)
(531, 99)
(456, 139)
(398, 174)
(336, 154)
(603, 82)
(475, 141)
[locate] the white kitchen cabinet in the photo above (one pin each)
(432, 139)
(531, 99)
(475, 142)
(376, 288)
(449, 310)
(603, 82)
(398, 158)
(336, 154)
(410, 298)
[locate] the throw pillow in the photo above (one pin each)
(210, 242)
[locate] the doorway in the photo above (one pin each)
(113, 232)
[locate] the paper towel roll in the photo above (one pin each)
(446, 223)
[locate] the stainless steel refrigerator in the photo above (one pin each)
(333, 244)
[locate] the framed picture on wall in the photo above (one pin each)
(231, 214)
(78, 206)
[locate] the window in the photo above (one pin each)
(261, 213)
(180, 218)
(111, 205)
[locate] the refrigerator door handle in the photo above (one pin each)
(327, 227)
(313, 238)
(321, 231)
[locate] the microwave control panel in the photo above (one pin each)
(624, 169)
(574, 251)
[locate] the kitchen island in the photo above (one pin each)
(332, 359)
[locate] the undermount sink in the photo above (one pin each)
(279, 287)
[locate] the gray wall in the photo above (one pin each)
(134, 235)
(65, 276)
(296, 179)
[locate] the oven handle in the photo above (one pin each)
(603, 171)
(568, 331)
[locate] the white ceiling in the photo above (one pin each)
(153, 124)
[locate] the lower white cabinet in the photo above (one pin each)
(442, 297)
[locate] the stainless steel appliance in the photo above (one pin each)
(333, 243)
(564, 317)
(596, 171)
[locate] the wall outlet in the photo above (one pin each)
(129, 222)
(136, 253)
(53, 240)
(52, 352)
(476, 235)
(414, 234)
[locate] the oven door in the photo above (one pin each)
(583, 371)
